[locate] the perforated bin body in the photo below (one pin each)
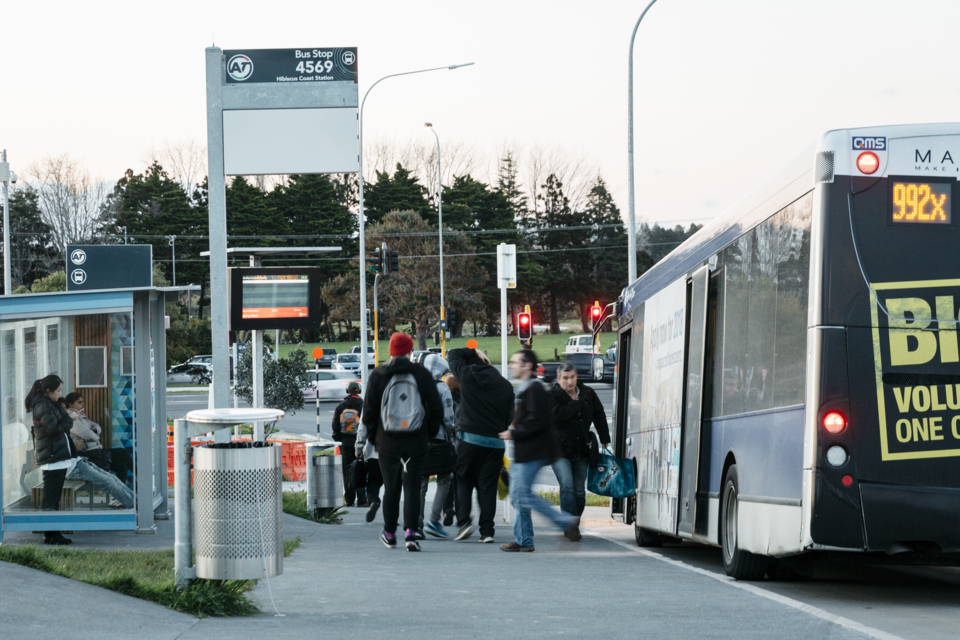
(238, 503)
(326, 481)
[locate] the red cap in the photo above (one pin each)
(401, 344)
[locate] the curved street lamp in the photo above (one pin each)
(443, 314)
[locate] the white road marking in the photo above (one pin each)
(847, 623)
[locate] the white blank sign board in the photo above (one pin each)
(280, 141)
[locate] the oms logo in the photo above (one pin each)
(918, 345)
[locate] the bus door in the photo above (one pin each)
(690, 431)
(619, 507)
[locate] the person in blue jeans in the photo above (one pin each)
(576, 407)
(535, 446)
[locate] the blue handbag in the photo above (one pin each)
(613, 477)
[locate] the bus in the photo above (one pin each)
(789, 376)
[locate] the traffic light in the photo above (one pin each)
(376, 260)
(595, 312)
(383, 319)
(369, 326)
(524, 327)
(451, 319)
(394, 261)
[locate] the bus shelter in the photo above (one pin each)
(110, 347)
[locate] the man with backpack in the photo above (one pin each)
(402, 412)
(346, 422)
(486, 410)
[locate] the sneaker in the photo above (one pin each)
(434, 529)
(465, 532)
(372, 511)
(388, 539)
(486, 539)
(411, 539)
(420, 535)
(572, 533)
(448, 518)
(513, 546)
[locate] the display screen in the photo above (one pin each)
(275, 296)
(921, 202)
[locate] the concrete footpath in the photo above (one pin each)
(344, 583)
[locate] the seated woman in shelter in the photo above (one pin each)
(86, 437)
(56, 454)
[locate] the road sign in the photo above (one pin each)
(310, 64)
(506, 266)
(96, 266)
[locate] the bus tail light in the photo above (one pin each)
(837, 456)
(868, 162)
(834, 422)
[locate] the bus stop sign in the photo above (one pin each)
(93, 267)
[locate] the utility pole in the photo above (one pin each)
(7, 177)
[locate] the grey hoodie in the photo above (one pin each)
(438, 368)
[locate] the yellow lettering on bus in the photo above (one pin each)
(920, 430)
(948, 338)
(953, 427)
(903, 429)
(903, 399)
(903, 328)
(921, 399)
(935, 401)
(953, 396)
(936, 428)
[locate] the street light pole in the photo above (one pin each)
(363, 246)
(6, 228)
(443, 309)
(631, 211)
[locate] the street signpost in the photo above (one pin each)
(91, 267)
(506, 279)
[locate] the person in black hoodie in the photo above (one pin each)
(576, 407)
(401, 454)
(486, 409)
(535, 447)
(345, 432)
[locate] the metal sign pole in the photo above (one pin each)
(7, 286)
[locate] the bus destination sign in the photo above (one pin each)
(258, 66)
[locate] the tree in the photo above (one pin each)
(607, 267)
(412, 295)
(56, 281)
(70, 200)
(561, 272)
(283, 380)
(402, 192)
(250, 215)
(658, 241)
(32, 253)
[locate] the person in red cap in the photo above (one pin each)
(402, 410)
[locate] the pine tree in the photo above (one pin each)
(402, 192)
(251, 219)
(32, 253)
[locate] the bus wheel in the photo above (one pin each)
(645, 537)
(738, 564)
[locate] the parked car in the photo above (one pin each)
(356, 349)
(208, 359)
(580, 344)
(196, 373)
(612, 352)
(329, 385)
(547, 371)
(328, 358)
(418, 356)
(346, 362)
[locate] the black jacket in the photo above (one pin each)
(51, 431)
(350, 402)
(572, 420)
(402, 444)
(486, 397)
(533, 432)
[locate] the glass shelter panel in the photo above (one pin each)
(102, 414)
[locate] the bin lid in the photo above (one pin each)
(227, 417)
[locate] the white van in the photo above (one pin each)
(580, 344)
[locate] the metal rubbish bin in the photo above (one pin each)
(238, 503)
(324, 477)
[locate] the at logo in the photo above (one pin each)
(240, 67)
(78, 256)
(873, 143)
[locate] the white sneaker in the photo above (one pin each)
(486, 539)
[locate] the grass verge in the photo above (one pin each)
(593, 500)
(295, 503)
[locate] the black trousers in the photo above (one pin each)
(374, 481)
(348, 455)
(395, 479)
(478, 468)
(448, 504)
(52, 488)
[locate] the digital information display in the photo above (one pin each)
(275, 296)
(921, 202)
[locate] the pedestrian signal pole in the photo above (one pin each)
(595, 312)
(317, 354)
(506, 279)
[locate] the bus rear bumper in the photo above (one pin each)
(902, 519)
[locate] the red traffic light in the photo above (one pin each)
(525, 327)
(595, 311)
(524, 319)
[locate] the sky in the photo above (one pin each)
(725, 92)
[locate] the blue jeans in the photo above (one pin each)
(525, 501)
(572, 476)
(85, 470)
